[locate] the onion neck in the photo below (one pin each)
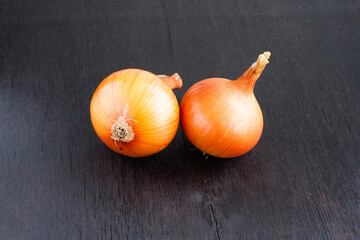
(248, 79)
(173, 82)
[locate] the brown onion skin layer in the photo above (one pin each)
(222, 125)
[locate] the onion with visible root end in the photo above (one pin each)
(222, 117)
(135, 112)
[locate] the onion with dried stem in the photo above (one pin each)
(222, 117)
(135, 112)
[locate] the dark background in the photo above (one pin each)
(59, 181)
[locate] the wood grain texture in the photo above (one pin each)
(59, 181)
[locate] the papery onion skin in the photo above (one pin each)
(144, 102)
(222, 118)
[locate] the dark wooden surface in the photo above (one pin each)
(59, 181)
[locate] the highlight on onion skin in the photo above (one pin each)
(221, 117)
(135, 113)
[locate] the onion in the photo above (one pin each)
(135, 112)
(222, 118)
